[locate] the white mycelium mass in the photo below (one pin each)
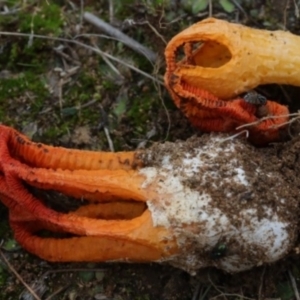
(212, 197)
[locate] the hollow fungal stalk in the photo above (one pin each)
(228, 59)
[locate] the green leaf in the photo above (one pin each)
(100, 275)
(69, 111)
(285, 291)
(120, 107)
(11, 245)
(199, 5)
(86, 276)
(227, 6)
(121, 104)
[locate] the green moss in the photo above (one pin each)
(140, 109)
(3, 276)
(16, 86)
(83, 92)
(90, 115)
(45, 19)
(51, 133)
(20, 56)
(21, 97)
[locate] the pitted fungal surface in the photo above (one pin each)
(223, 197)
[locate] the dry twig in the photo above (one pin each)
(261, 284)
(296, 115)
(12, 269)
(198, 294)
(98, 51)
(120, 36)
(231, 137)
(238, 296)
(58, 291)
(106, 131)
(294, 285)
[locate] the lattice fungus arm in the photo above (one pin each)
(203, 202)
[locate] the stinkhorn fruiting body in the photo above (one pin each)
(203, 202)
(209, 201)
(222, 60)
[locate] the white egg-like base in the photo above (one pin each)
(223, 201)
